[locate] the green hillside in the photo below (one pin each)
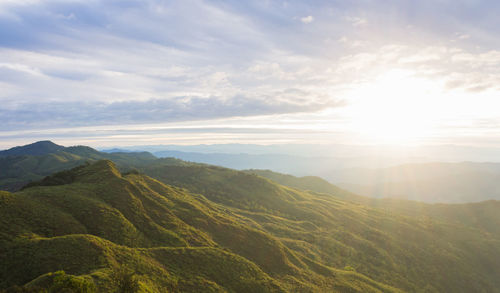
(482, 215)
(186, 227)
(396, 246)
(311, 183)
(100, 220)
(21, 165)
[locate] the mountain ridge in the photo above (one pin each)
(37, 148)
(35, 161)
(303, 235)
(151, 221)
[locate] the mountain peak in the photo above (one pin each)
(34, 149)
(41, 143)
(100, 170)
(90, 173)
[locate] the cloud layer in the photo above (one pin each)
(90, 63)
(70, 114)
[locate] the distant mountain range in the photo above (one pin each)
(299, 165)
(376, 177)
(368, 153)
(430, 182)
(190, 227)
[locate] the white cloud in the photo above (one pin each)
(18, 2)
(463, 36)
(307, 19)
(21, 68)
(356, 21)
(157, 52)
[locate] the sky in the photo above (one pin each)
(110, 73)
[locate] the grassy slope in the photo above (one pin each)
(399, 246)
(312, 183)
(18, 170)
(482, 216)
(406, 244)
(172, 239)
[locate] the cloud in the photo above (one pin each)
(156, 61)
(356, 21)
(455, 68)
(71, 114)
(307, 19)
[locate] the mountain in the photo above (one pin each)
(480, 216)
(417, 172)
(396, 246)
(372, 156)
(428, 182)
(24, 164)
(312, 183)
(296, 164)
(96, 219)
(116, 150)
(34, 149)
(240, 161)
(189, 227)
(431, 182)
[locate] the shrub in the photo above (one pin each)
(68, 283)
(124, 280)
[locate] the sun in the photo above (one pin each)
(395, 108)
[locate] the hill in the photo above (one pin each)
(299, 164)
(96, 220)
(431, 182)
(312, 183)
(24, 164)
(336, 230)
(481, 216)
(375, 177)
(303, 235)
(34, 149)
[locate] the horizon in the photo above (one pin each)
(374, 155)
(392, 75)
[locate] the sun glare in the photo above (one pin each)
(396, 108)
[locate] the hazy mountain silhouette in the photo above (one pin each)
(34, 149)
